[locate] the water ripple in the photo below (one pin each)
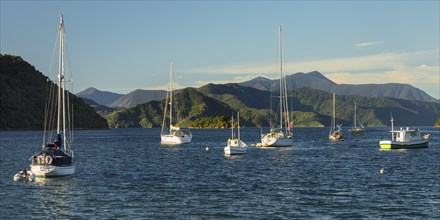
(127, 174)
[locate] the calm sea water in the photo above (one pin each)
(126, 173)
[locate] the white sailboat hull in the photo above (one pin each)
(235, 147)
(52, 171)
(231, 150)
(276, 142)
(172, 139)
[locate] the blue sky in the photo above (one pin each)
(121, 46)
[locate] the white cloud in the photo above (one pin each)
(382, 61)
(406, 74)
(408, 68)
(366, 44)
(165, 87)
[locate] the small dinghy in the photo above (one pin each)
(24, 176)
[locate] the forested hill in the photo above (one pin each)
(310, 108)
(189, 105)
(313, 107)
(23, 98)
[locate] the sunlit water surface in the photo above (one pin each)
(126, 173)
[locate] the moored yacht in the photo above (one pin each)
(56, 158)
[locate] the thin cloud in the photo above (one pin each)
(341, 64)
(366, 44)
(379, 68)
(165, 87)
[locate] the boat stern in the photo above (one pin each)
(51, 171)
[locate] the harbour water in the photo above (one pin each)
(126, 174)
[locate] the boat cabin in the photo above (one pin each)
(404, 135)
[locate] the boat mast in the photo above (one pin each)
(355, 115)
(61, 89)
(59, 74)
(334, 113)
(63, 82)
(238, 128)
(232, 126)
(392, 127)
(171, 96)
(281, 77)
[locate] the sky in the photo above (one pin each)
(120, 46)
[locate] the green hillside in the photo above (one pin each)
(189, 105)
(313, 107)
(23, 98)
(371, 111)
(309, 108)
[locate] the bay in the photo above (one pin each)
(126, 174)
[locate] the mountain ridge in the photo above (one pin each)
(138, 96)
(318, 81)
(309, 107)
(100, 97)
(314, 79)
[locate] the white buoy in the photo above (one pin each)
(381, 171)
(207, 148)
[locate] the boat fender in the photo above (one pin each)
(49, 160)
(40, 159)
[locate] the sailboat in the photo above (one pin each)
(405, 139)
(173, 135)
(335, 130)
(235, 146)
(281, 136)
(56, 158)
(355, 129)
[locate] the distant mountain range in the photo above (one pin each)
(120, 101)
(310, 107)
(100, 97)
(314, 80)
(138, 96)
(100, 109)
(318, 81)
(311, 103)
(23, 98)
